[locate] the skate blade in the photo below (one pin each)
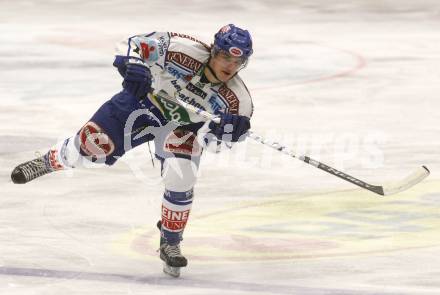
(171, 270)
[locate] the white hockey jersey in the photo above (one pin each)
(176, 62)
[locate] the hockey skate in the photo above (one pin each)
(171, 256)
(30, 170)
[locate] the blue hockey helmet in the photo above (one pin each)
(233, 40)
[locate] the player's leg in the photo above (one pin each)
(180, 155)
(179, 177)
(99, 141)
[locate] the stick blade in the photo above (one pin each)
(406, 183)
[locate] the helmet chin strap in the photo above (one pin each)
(212, 71)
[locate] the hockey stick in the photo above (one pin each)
(393, 188)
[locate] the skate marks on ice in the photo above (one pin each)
(172, 282)
(254, 230)
(320, 225)
(15, 144)
(297, 64)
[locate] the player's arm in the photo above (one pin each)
(233, 127)
(137, 57)
(147, 49)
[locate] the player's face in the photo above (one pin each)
(226, 66)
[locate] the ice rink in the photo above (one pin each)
(354, 84)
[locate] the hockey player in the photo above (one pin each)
(159, 70)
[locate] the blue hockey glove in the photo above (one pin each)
(231, 127)
(137, 80)
(120, 63)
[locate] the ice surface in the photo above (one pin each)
(351, 83)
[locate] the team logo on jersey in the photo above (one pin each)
(217, 105)
(178, 74)
(183, 61)
(197, 91)
(235, 51)
(230, 97)
(149, 50)
(94, 142)
(182, 142)
(162, 45)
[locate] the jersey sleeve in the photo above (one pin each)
(148, 49)
(246, 107)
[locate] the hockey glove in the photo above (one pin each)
(120, 63)
(231, 127)
(137, 80)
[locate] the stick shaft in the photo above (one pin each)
(283, 149)
(411, 180)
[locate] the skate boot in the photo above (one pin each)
(171, 256)
(30, 170)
